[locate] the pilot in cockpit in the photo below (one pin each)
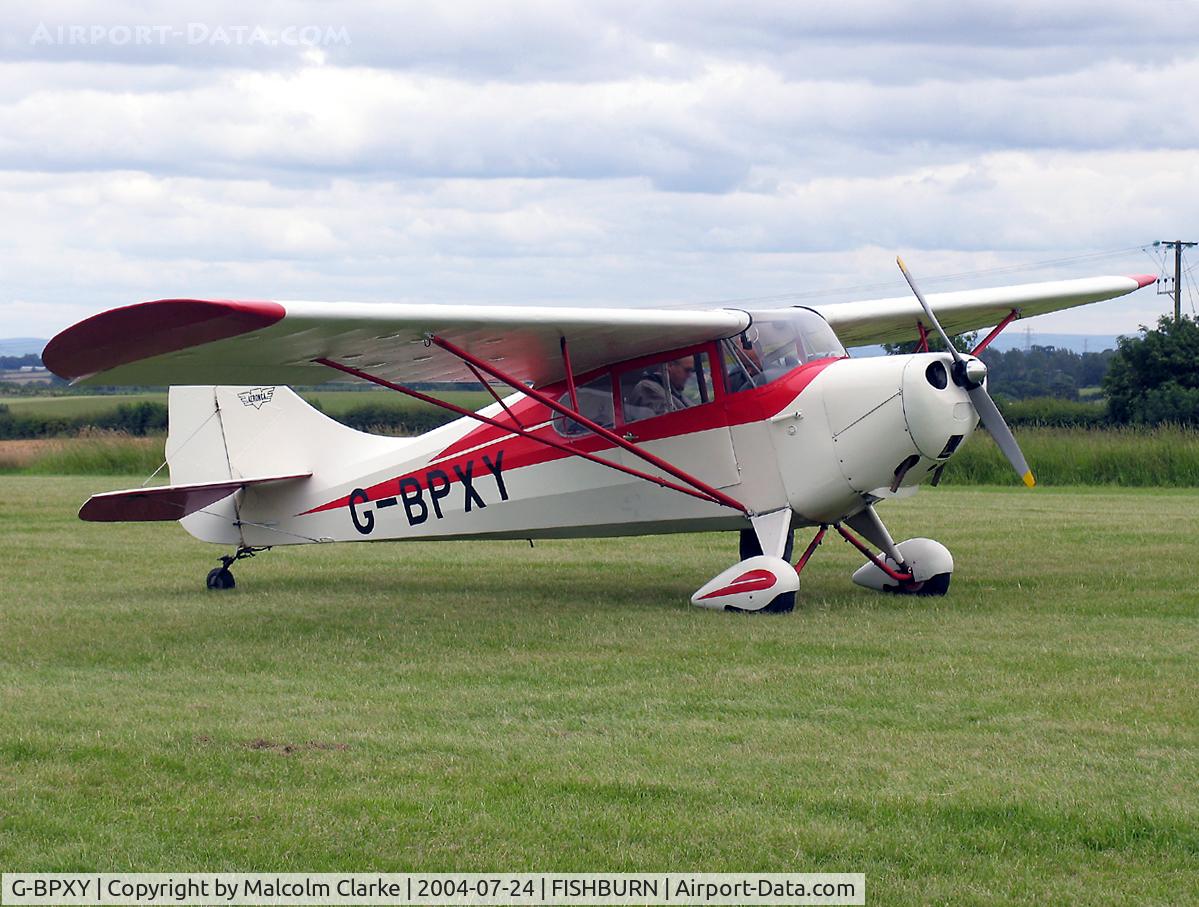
(661, 396)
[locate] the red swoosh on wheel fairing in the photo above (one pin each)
(753, 581)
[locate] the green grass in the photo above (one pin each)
(99, 457)
(70, 407)
(94, 454)
(336, 402)
(1162, 457)
(1135, 457)
(332, 402)
(1032, 737)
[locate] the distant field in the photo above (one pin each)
(332, 402)
(69, 407)
(1031, 738)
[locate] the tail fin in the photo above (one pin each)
(219, 434)
(243, 436)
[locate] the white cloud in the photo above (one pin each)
(615, 152)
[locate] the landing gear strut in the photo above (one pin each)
(222, 577)
(921, 567)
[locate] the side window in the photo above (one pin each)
(595, 402)
(819, 340)
(742, 367)
(666, 387)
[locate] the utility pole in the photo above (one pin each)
(1177, 245)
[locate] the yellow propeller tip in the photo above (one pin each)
(1029, 480)
(899, 261)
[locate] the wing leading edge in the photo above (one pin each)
(894, 320)
(191, 341)
(224, 342)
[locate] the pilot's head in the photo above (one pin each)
(679, 370)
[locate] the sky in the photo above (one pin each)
(600, 153)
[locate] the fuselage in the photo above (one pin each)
(782, 419)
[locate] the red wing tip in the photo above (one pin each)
(1143, 280)
(120, 336)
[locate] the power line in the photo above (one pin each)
(1177, 245)
(1159, 261)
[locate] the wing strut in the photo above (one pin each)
(570, 376)
(491, 390)
(986, 341)
(922, 343)
(707, 491)
(698, 490)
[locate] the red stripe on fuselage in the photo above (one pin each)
(729, 410)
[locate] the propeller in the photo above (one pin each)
(969, 374)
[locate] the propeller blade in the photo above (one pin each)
(928, 310)
(993, 422)
(988, 412)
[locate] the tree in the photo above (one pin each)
(1155, 378)
(964, 343)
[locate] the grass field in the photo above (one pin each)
(1161, 457)
(1165, 455)
(96, 453)
(1032, 737)
(332, 402)
(82, 405)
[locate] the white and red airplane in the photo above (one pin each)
(620, 422)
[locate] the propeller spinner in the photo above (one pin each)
(969, 372)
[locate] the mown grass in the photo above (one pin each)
(1166, 456)
(1033, 737)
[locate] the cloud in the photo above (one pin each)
(704, 134)
(579, 152)
(573, 40)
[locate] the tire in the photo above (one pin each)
(220, 578)
(937, 585)
(749, 547)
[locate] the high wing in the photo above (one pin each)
(894, 320)
(191, 341)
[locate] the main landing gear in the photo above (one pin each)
(911, 567)
(222, 577)
(764, 584)
(759, 583)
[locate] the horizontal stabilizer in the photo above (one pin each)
(166, 502)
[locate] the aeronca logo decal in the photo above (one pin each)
(421, 495)
(256, 397)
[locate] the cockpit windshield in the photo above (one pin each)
(778, 341)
